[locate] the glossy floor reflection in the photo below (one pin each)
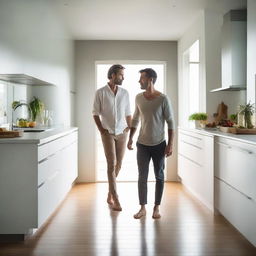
(84, 226)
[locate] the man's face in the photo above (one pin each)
(119, 77)
(144, 81)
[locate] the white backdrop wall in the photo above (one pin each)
(86, 53)
(34, 41)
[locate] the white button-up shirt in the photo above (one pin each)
(112, 108)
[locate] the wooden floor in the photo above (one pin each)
(85, 226)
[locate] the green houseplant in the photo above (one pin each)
(245, 115)
(36, 107)
(199, 119)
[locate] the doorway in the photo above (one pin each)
(129, 170)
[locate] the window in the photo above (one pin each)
(194, 78)
(191, 75)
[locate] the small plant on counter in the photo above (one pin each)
(36, 107)
(233, 118)
(246, 112)
(198, 116)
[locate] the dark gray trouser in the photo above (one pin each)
(144, 155)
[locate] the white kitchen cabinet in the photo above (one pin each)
(235, 163)
(58, 172)
(235, 190)
(221, 166)
(34, 179)
(195, 164)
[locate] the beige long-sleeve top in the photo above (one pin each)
(153, 114)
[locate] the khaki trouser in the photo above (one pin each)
(114, 148)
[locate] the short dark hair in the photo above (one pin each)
(114, 70)
(150, 73)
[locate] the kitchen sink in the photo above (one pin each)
(32, 129)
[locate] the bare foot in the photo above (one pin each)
(109, 199)
(141, 213)
(116, 205)
(156, 214)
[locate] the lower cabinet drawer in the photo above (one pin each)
(49, 197)
(235, 164)
(237, 209)
(43, 152)
(43, 172)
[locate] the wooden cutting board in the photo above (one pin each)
(244, 131)
(11, 134)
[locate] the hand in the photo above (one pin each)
(103, 131)
(129, 144)
(126, 129)
(168, 150)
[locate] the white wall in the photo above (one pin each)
(206, 28)
(86, 53)
(33, 41)
(251, 51)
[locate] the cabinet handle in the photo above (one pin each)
(191, 136)
(224, 144)
(236, 148)
(248, 197)
(43, 160)
(39, 186)
(53, 175)
(47, 158)
(244, 150)
(191, 144)
(190, 160)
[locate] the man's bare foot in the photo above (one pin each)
(141, 213)
(109, 199)
(156, 213)
(116, 205)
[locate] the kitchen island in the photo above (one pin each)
(37, 171)
(220, 170)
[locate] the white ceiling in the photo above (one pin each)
(135, 19)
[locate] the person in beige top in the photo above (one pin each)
(153, 110)
(112, 115)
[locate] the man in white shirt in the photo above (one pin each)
(112, 115)
(153, 109)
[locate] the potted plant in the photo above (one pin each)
(199, 119)
(36, 107)
(233, 118)
(245, 115)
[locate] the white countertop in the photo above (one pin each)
(39, 137)
(247, 138)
